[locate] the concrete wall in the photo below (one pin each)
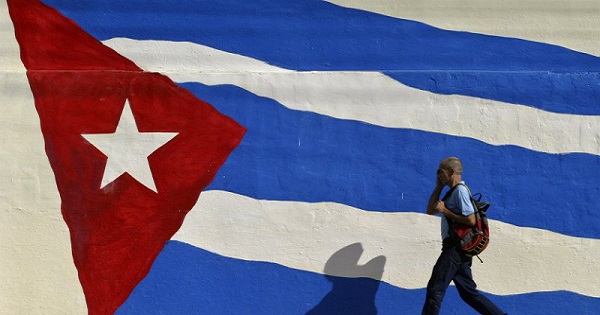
(276, 157)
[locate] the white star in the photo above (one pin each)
(128, 149)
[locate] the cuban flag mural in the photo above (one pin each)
(276, 157)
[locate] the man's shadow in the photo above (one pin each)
(354, 286)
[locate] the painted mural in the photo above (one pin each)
(276, 157)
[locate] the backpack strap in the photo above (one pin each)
(473, 201)
(452, 190)
(447, 195)
(449, 192)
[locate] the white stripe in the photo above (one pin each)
(305, 235)
(36, 271)
(9, 50)
(573, 24)
(370, 97)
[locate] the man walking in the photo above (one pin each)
(453, 265)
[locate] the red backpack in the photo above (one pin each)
(473, 239)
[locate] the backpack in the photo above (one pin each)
(472, 239)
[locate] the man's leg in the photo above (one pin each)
(444, 270)
(468, 291)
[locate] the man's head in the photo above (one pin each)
(450, 171)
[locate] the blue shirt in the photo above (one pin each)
(458, 202)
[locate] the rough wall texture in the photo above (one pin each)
(313, 131)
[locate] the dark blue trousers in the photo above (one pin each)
(453, 265)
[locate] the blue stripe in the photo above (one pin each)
(189, 280)
(316, 35)
(303, 156)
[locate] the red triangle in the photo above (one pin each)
(80, 87)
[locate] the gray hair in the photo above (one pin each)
(454, 164)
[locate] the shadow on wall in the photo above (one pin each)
(354, 289)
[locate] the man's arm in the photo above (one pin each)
(434, 199)
(468, 220)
